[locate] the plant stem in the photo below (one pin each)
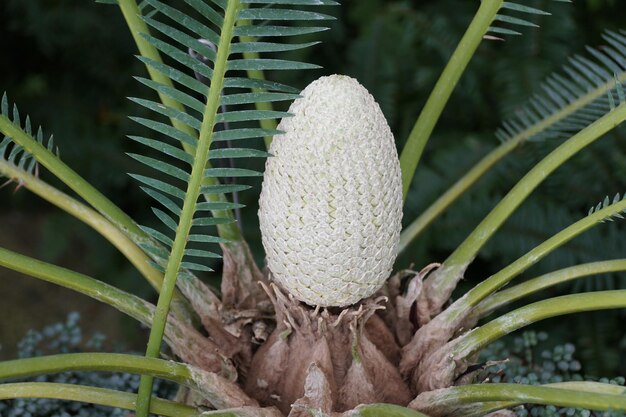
(189, 205)
(453, 193)
(504, 297)
(92, 361)
(88, 216)
(481, 291)
(92, 395)
(438, 98)
(112, 214)
(68, 176)
(185, 342)
(480, 399)
(122, 301)
(467, 250)
(411, 232)
(221, 393)
(386, 410)
(480, 337)
(137, 26)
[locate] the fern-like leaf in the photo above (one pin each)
(205, 42)
(606, 203)
(514, 17)
(587, 89)
(181, 37)
(15, 153)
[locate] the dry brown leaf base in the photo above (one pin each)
(326, 360)
(291, 358)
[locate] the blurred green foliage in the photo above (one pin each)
(68, 337)
(69, 64)
(531, 359)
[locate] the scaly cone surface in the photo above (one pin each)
(331, 204)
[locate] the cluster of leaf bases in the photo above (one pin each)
(68, 338)
(530, 362)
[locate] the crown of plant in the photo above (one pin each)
(331, 203)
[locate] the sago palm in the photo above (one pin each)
(325, 329)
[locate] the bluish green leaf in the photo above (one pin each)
(502, 31)
(259, 84)
(245, 115)
(182, 57)
(198, 253)
(218, 205)
(237, 134)
(159, 266)
(523, 9)
(160, 185)
(27, 126)
(203, 31)
(206, 239)
(158, 235)
(166, 219)
(182, 38)
(169, 112)
(231, 172)
(176, 75)
(212, 221)
(271, 31)
(195, 266)
(165, 148)
(237, 153)
(16, 116)
(157, 253)
(167, 130)
(605, 60)
(280, 14)
(161, 166)
(4, 104)
(260, 47)
(268, 64)
(294, 2)
(161, 198)
(206, 11)
(221, 3)
(248, 98)
(183, 98)
(515, 21)
(224, 188)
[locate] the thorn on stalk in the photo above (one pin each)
(19, 184)
(492, 38)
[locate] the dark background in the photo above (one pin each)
(69, 64)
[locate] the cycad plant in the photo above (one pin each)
(325, 329)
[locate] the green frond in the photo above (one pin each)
(15, 153)
(566, 104)
(183, 37)
(515, 17)
(244, 134)
(606, 203)
(294, 2)
(231, 172)
(587, 89)
(209, 100)
(252, 83)
(166, 201)
(223, 189)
